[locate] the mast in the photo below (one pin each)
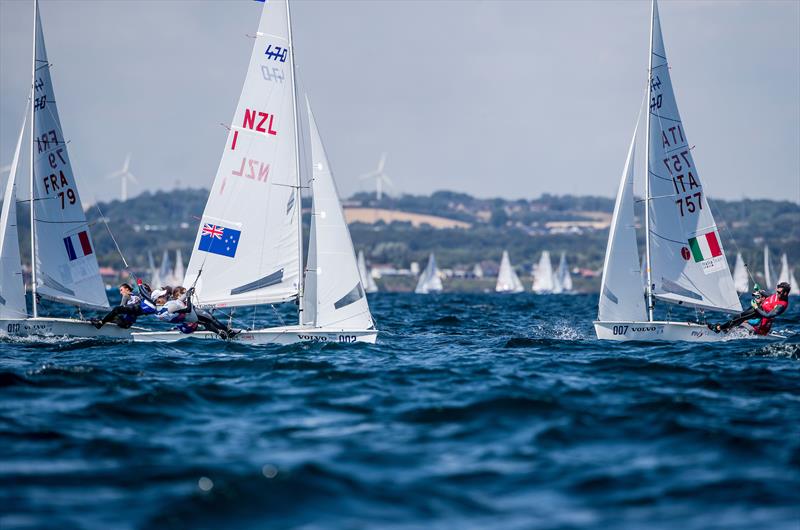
(647, 171)
(33, 128)
(299, 199)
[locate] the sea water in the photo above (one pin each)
(471, 411)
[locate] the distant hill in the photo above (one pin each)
(575, 225)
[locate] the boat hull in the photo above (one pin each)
(280, 336)
(62, 327)
(656, 331)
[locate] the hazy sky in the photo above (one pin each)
(495, 98)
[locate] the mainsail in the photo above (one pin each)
(563, 275)
(334, 295)
(543, 275)
(247, 247)
(429, 280)
(784, 274)
(621, 288)
(507, 279)
(366, 278)
(12, 287)
(66, 267)
(687, 260)
(740, 278)
(769, 273)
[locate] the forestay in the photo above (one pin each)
(688, 264)
(334, 295)
(621, 288)
(66, 265)
(246, 248)
(12, 287)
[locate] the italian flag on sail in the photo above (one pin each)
(705, 247)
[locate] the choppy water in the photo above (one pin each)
(476, 411)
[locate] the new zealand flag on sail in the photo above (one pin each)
(219, 240)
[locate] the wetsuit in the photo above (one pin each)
(202, 317)
(125, 314)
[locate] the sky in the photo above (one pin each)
(495, 98)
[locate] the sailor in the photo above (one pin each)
(125, 314)
(758, 319)
(199, 316)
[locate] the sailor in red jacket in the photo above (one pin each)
(758, 319)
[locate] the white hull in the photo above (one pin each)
(62, 327)
(281, 336)
(657, 331)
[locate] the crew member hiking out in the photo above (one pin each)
(130, 308)
(758, 318)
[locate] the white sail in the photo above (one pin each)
(564, 277)
(429, 280)
(366, 278)
(769, 273)
(165, 271)
(622, 285)
(687, 259)
(543, 275)
(795, 290)
(784, 274)
(12, 287)
(740, 278)
(66, 264)
(507, 279)
(334, 295)
(180, 270)
(247, 246)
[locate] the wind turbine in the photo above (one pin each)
(124, 175)
(380, 177)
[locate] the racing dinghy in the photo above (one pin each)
(248, 250)
(685, 260)
(507, 279)
(430, 281)
(64, 267)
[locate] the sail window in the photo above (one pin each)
(355, 294)
(266, 281)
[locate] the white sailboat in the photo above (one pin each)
(430, 280)
(686, 263)
(64, 265)
(366, 278)
(543, 277)
(507, 279)
(741, 279)
(563, 277)
(787, 275)
(769, 272)
(248, 249)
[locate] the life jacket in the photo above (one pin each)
(765, 325)
(148, 308)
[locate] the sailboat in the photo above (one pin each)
(769, 272)
(787, 275)
(64, 266)
(563, 277)
(686, 262)
(366, 278)
(430, 280)
(248, 249)
(507, 279)
(543, 278)
(740, 277)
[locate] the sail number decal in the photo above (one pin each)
(255, 121)
(41, 102)
(276, 53)
(56, 182)
(272, 73)
(655, 101)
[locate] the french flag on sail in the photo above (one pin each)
(79, 241)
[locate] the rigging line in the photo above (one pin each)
(113, 239)
(660, 117)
